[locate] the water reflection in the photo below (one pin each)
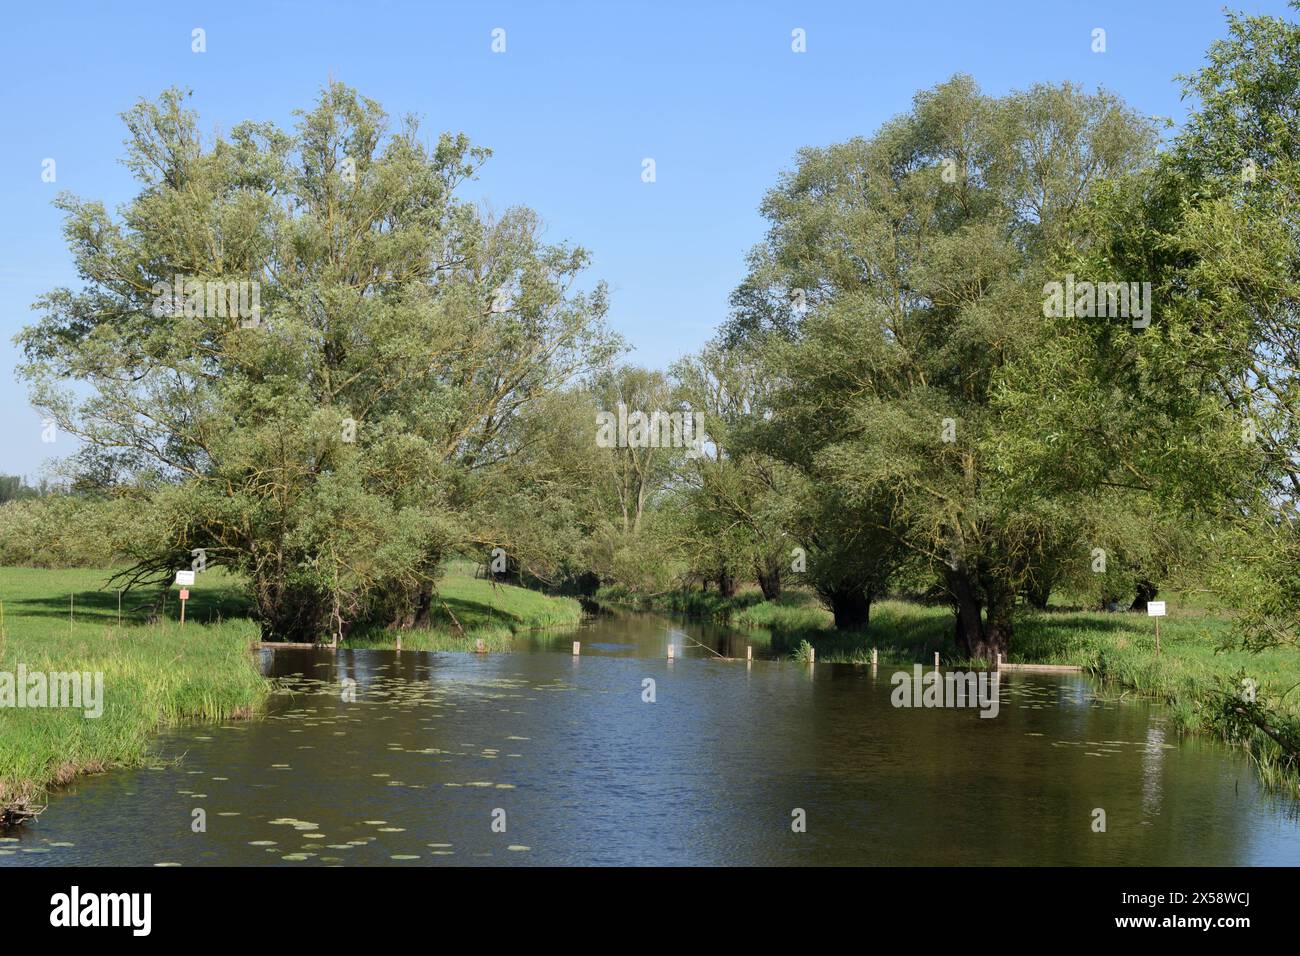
(547, 758)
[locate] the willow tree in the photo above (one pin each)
(901, 277)
(1237, 166)
(735, 502)
(309, 349)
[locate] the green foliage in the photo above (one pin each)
(335, 445)
(920, 254)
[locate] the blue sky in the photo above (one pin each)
(584, 91)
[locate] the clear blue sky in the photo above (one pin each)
(584, 91)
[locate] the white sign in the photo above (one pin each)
(1155, 608)
(185, 578)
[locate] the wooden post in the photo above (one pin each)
(1157, 637)
(936, 659)
(480, 646)
(812, 654)
(749, 652)
(997, 664)
(182, 612)
(399, 642)
(670, 650)
(577, 648)
(874, 658)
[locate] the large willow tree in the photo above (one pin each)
(901, 278)
(332, 446)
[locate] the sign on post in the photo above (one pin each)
(184, 578)
(1156, 609)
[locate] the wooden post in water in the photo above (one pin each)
(670, 649)
(874, 658)
(812, 654)
(577, 648)
(480, 646)
(399, 642)
(749, 652)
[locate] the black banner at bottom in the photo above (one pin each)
(339, 906)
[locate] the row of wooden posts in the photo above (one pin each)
(812, 656)
(749, 653)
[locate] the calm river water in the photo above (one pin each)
(439, 753)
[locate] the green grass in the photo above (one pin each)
(709, 605)
(490, 614)
(154, 675)
(161, 674)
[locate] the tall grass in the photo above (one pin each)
(154, 675)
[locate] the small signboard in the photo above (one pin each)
(1155, 608)
(184, 578)
(185, 594)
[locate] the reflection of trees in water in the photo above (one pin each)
(1152, 762)
(885, 784)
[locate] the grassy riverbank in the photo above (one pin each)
(468, 609)
(1196, 665)
(156, 675)
(153, 675)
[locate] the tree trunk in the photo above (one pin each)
(727, 585)
(423, 604)
(997, 625)
(968, 626)
(851, 607)
(976, 637)
(769, 581)
(1037, 595)
(1146, 592)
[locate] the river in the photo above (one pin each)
(538, 757)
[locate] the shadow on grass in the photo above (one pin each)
(212, 604)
